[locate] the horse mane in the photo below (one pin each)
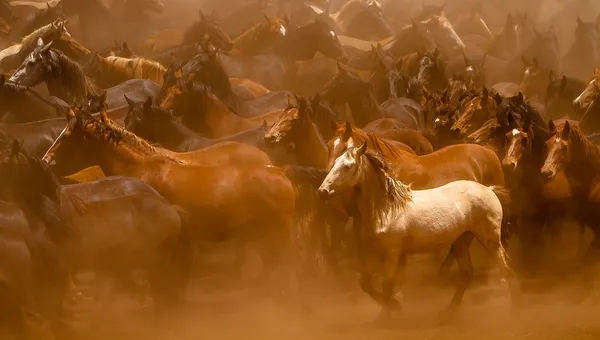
(116, 134)
(378, 144)
(484, 133)
(74, 75)
(588, 150)
(249, 37)
(396, 193)
(135, 67)
(29, 42)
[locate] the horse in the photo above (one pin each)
(391, 212)
(203, 112)
(297, 46)
(589, 122)
(263, 196)
(41, 18)
(63, 76)
(368, 23)
(348, 87)
(14, 55)
(444, 35)
(387, 80)
(560, 94)
(584, 54)
(111, 70)
(568, 150)
(152, 233)
(535, 80)
(211, 72)
(456, 162)
(160, 126)
(432, 71)
(515, 36)
(473, 73)
(583, 100)
(477, 109)
(261, 37)
(413, 138)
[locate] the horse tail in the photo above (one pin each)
(308, 235)
(183, 258)
(503, 195)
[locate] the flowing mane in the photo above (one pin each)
(247, 41)
(73, 77)
(395, 193)
(29, 42)
(376, 143)
(137, 68)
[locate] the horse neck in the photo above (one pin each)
(585, 159)
(311, 150)
(296, 46)
(217, 112)
(61, 86)
(371, 199)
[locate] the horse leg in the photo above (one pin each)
(369, 269)
(392, 260)
(460, 249)
(337, 227)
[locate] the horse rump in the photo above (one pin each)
(503, 195)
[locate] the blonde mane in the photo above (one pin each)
(136, 68)
(29, 42)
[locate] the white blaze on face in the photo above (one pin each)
(470, 69)
(437, 120)
(282, 30)
(515, 132)
(332, 33)
(557, 139)
(336, 142)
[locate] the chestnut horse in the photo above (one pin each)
(569, 150)
(239, 201)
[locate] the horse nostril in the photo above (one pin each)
(323, 193)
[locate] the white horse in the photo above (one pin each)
(396, 220)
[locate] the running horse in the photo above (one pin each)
(261, 194)
(396, 220)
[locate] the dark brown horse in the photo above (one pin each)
(261, 194)
(584, 54)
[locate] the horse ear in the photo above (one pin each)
(201, 15)
(104, 117)
(498, 98)
(265, 125)
(361, 149)
(563, 83)
(509, 19)
(267, 17)
(566, 131)
(125, 46)
(316, 99)
(525, 62)
(347, 130)
(130, 102)
(340, 68)
(40, 42)
(551, 125)
(15, 149)
(46, 47)
(102, 97)
(436, 52)
(520, 96)
(535, 62)
(148, 104)
(485, 93)
(579, 22)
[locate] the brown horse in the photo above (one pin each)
(477, 110)
(239, 201)
(259, 38)
(203, 112)
(456, 162)
(569, 150)
(413, 138)
(348, 135)
(584, 99)
(221, 153)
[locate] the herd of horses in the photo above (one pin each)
(425, 134)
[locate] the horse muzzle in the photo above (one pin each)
(325, 194)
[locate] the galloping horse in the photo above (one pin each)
(396, 220)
